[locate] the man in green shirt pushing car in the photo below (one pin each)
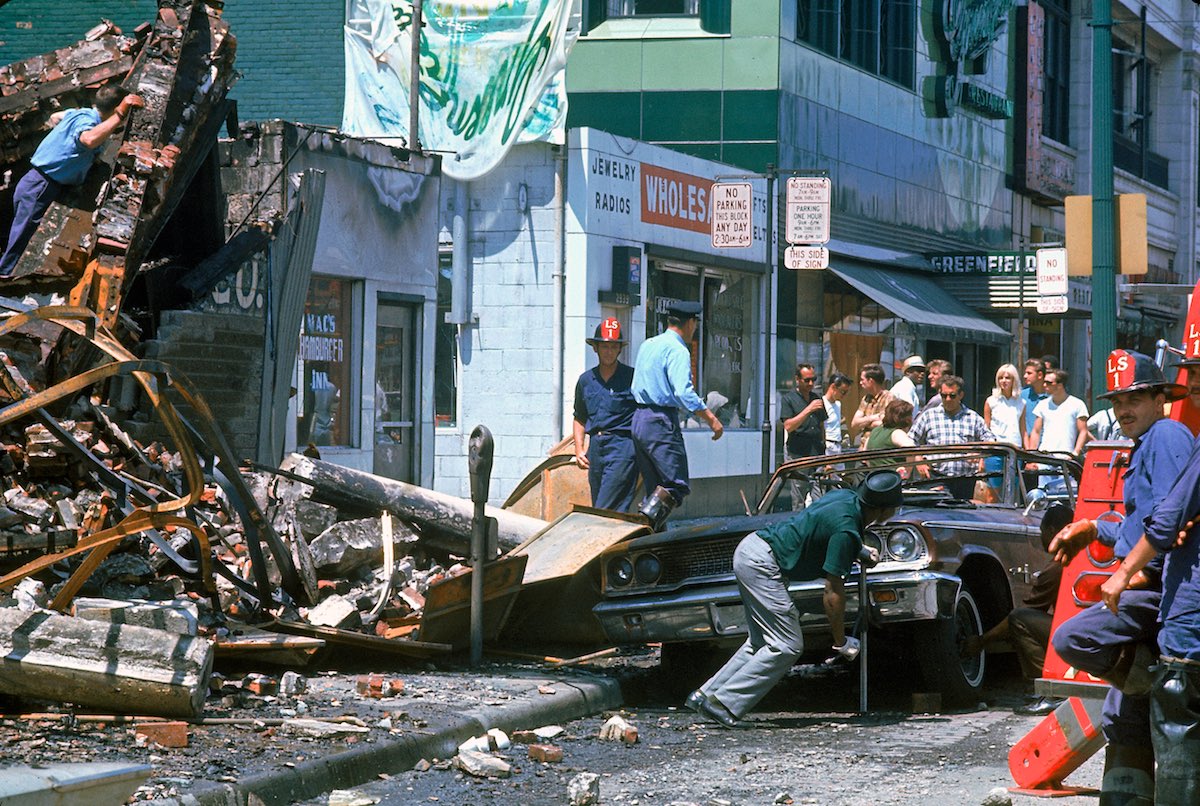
(823, 541)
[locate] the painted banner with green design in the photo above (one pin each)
(491, 75)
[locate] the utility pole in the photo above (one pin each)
(1104, 294)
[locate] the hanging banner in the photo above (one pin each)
(492, 75)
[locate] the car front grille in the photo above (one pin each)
(706, 558)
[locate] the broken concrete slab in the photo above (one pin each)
(118, 668)
(482, 765)
(334, 611)
(87, 782)
(349, 545)
(181, 617)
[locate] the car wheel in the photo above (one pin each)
(939, 646)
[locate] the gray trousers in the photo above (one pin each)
(773, 622)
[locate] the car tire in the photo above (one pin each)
(938, 645)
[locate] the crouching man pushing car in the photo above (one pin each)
(822, 541)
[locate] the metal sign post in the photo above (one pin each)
(479, 461)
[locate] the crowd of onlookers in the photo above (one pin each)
(1030, 409)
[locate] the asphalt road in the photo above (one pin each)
(806, 744)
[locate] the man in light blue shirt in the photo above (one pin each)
(62, 159)
(662, 384)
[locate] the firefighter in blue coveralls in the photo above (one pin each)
(662, 384)
(604, 411)
(1118, 647)
(1173, 527)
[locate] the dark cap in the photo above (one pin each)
(1192, 356)
(882, 489)
(1127, 371)
(608, 331)
(684, 310)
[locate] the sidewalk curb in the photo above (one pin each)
(572, 699)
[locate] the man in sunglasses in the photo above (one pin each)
(1059, 421)
(951, 423)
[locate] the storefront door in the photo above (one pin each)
(397, 369)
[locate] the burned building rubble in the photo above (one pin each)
(122, 502)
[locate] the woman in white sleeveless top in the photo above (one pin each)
(1004, 410)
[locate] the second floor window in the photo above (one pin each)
(1057, 67)
(877, 35)
(653, 8)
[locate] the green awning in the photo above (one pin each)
(919, 301)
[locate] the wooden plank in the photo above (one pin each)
(409, 649)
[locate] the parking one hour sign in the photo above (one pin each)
(732, 203)
(808, 202)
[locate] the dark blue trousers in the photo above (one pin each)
(659, 442)
(32, 196)
(1092, 641)
(612, 471)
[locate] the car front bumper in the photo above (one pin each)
(715, 611)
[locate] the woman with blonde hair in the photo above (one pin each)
(1004, 410)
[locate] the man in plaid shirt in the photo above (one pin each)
(952, 423)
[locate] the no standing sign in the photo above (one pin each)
(808, 202)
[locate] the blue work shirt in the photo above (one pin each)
(1031, 399)
(663, 374)
(61, 156)
(1155, 461)
(605, 405)
(1180, 607)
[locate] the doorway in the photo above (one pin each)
(397, 368)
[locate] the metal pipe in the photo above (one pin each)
(414, 83)
(560, 262)
(1104, 292)
(460, 256)
(769, 296)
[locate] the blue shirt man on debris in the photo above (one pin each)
(62, 159)
(604, 412)
(1117, 646)
(662, 384)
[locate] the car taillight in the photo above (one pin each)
(1086, 589)
(1101, 555)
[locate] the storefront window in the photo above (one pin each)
(723, 367)
(324, 365)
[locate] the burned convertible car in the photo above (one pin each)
(951, 566)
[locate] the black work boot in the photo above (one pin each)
(1128, 776)
(657, 506)
(1175, 731)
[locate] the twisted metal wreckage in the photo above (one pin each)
(90, 248)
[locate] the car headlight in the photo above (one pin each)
(620, 571)
(647, 569)
(872, 540)
(905, 545)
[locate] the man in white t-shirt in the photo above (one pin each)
(839, 384)
(913, 374)
(1060, 420)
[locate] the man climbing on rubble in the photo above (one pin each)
(63, 159)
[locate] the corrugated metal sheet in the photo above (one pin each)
(290, 267)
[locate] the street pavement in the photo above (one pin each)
(805, 744)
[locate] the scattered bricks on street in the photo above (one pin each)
(261, 684)
(394, 687)
(482, 765)
(584, 790)
(164, 734)
(525, 737)
(412, 598)
(616, 729)
(370, 686)
(546, 753)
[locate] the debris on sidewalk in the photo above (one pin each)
(616, 729)
(482, 765)
(584, 790)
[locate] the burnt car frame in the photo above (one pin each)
(950, 567)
